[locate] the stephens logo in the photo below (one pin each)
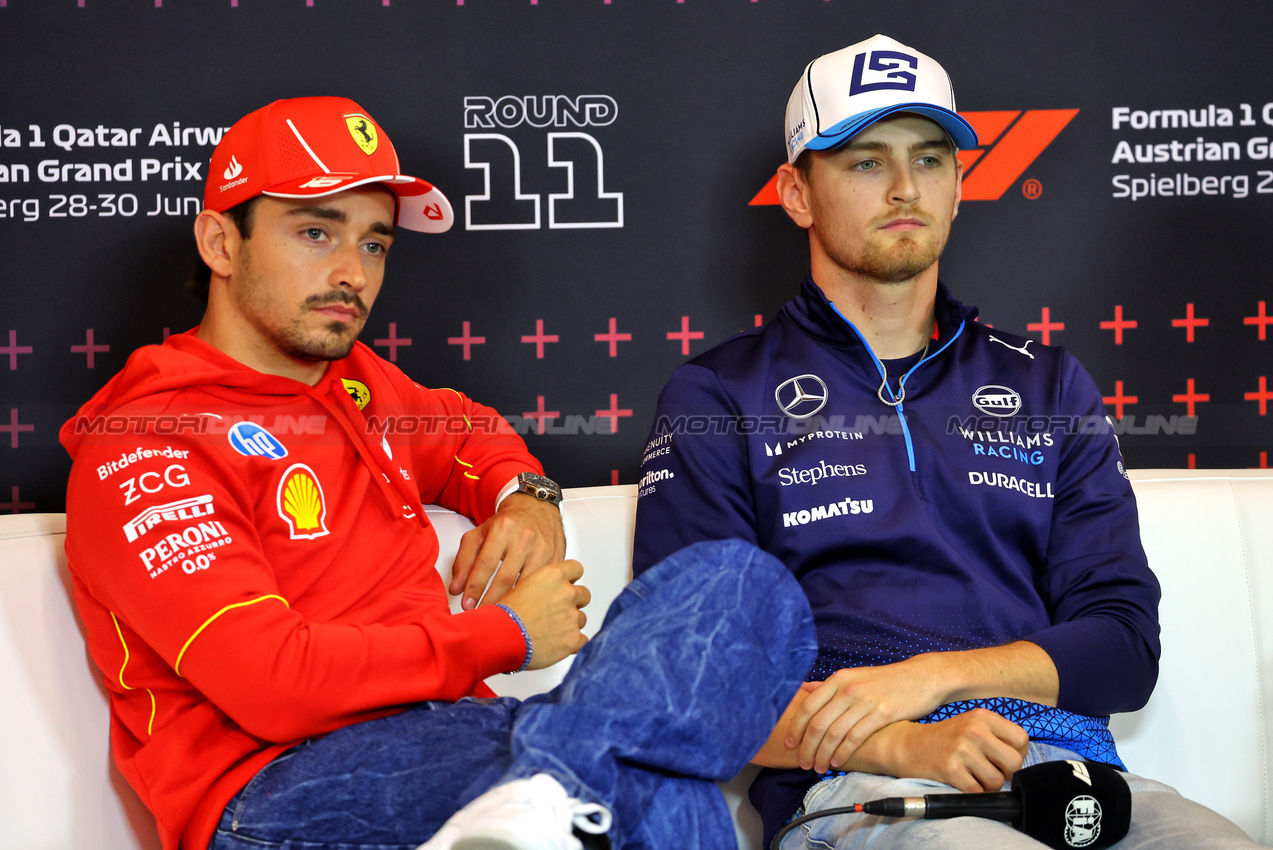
(301, 504)
(996, 400)
(812, 475)
(802, 396)
(1014, 139)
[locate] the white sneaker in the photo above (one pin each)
(525, 814)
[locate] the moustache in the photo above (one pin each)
(338, 297)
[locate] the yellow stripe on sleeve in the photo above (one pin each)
(462, 416)
(177, 667)
(470, 466)
(150, 726)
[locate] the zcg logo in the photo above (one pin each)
(502, 203)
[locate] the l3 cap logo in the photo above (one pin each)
(802, 396)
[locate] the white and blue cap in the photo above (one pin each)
(842, 93)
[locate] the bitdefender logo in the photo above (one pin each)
(1012, 140)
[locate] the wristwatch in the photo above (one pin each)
(544, 489)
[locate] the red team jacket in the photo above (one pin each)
(253, 566)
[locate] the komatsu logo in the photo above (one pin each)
(997, 400)
(844, 507)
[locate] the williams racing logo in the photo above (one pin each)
(802, 396)
(363, 133)
(301, 503)
(997, 400)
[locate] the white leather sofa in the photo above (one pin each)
(1207, 729)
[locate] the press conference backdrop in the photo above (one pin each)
(610, 165)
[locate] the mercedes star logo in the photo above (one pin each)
(802, 396)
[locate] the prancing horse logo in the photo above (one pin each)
(802, 396)
(363, 132)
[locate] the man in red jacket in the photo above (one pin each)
(256, 574)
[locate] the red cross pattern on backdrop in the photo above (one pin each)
(684, 338)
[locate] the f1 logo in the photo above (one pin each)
(1014, 139)
(884, 61)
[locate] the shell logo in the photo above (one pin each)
(301, 504)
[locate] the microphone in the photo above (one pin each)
(1063, 804)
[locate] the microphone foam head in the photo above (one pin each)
(1073, 804)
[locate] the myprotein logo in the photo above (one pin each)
(1011, 141)
(997, 400)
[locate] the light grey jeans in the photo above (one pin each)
(1161, 818)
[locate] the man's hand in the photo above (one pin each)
(853, 704)
(522, 536)
(549, 604)
(974, 751)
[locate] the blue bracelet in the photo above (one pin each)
(525, 636)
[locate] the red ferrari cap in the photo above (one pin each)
(308, 147)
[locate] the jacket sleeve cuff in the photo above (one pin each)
(499, 640)
(495, 481)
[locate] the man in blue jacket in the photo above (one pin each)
(950, 496)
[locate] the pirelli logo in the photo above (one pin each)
(185, 509)
(1012, 140)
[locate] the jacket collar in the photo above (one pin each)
(814, 314)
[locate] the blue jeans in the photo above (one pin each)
(693, 666)
(1161, 818)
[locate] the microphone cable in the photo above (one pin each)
(856, 808)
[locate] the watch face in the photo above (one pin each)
(544, 489)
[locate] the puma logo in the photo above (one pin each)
(1022, 349)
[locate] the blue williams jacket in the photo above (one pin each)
(990, 505)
